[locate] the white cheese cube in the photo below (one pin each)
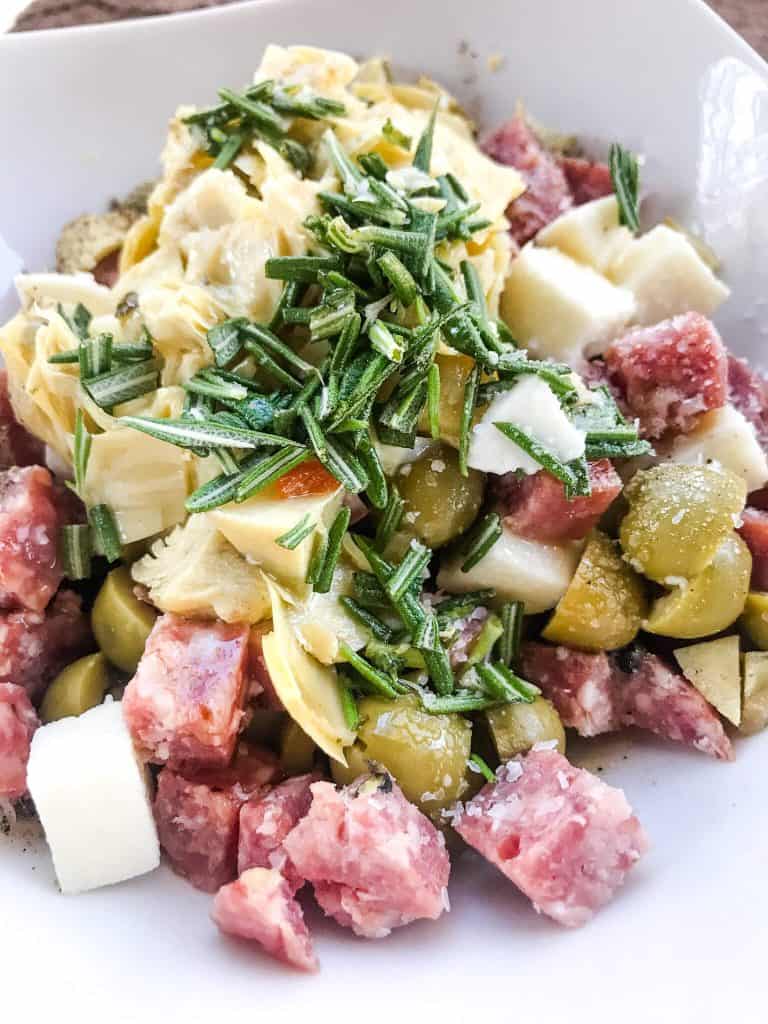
(725, 437)
(254, 526)
(518, 570)
(90, 791)
(533, 407)
(562, 309)
(589, 233)
(667, 276)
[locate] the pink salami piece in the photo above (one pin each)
(260, 906)
(184, 705)
(593, 694)
(536, 506)
(197, 815)
(754, 531)
(748, 391)
(30, 571)
(18, 722)
(266, 820)
(34, 646)
(17, 446)
(565, 838)
(587, 179)
(547, 194)
(668, 374)
(374, 861)
(468, 630)
(653, 697)
(581, 686)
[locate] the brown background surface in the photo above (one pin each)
(749, 17)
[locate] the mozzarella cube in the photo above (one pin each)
(518, 570)
(562, 309)
(90, 791)
(532, 406)
(589, 233)
(667, 277)
(725, 437)
(254, 526)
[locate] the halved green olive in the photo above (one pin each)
(121, 622)
(439, 503)
(604, 605)
(678, 517)
(709, 602)
(426, 754)
(76, 688)
(515, 728)
(754, 619)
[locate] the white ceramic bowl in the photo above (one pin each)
(82, 116)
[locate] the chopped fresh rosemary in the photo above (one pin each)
(81, 450)
(376, 680)
(332, 551)
(186, 433)
(106, 539)
(625, 175)
(75, 551)
(480, 540)
(477, 764)
(395, 137)
(467, 411)
(124, 384)
(501, 684)
(508, 646)
(348, 704)
(390, 520)
(366, 618)
(268, 470)
(297, 533)
(433, 400)
(575, 482)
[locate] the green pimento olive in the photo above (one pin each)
(426, 754)
(515, 728)
(121, 622)
(678, 517)
(439, 503)
(454, 370)
(604, 605)
(76, 688)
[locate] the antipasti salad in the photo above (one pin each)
(349, 468)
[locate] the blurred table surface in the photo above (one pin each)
(749, 17)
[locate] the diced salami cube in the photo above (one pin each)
(748, 391)
(651, 696)
(547, 194)
(668, 374)
(598, 693)
(586, 179)
(374, 860)
(260, 906)
(30, 571)
(565, 838)
(184, 705)
(536, 506)
(17, 446)
(18, 722)
(266, 820)
(34, 646)
(107, 270)
(754, 531)
(580, 685)
(197, 815)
